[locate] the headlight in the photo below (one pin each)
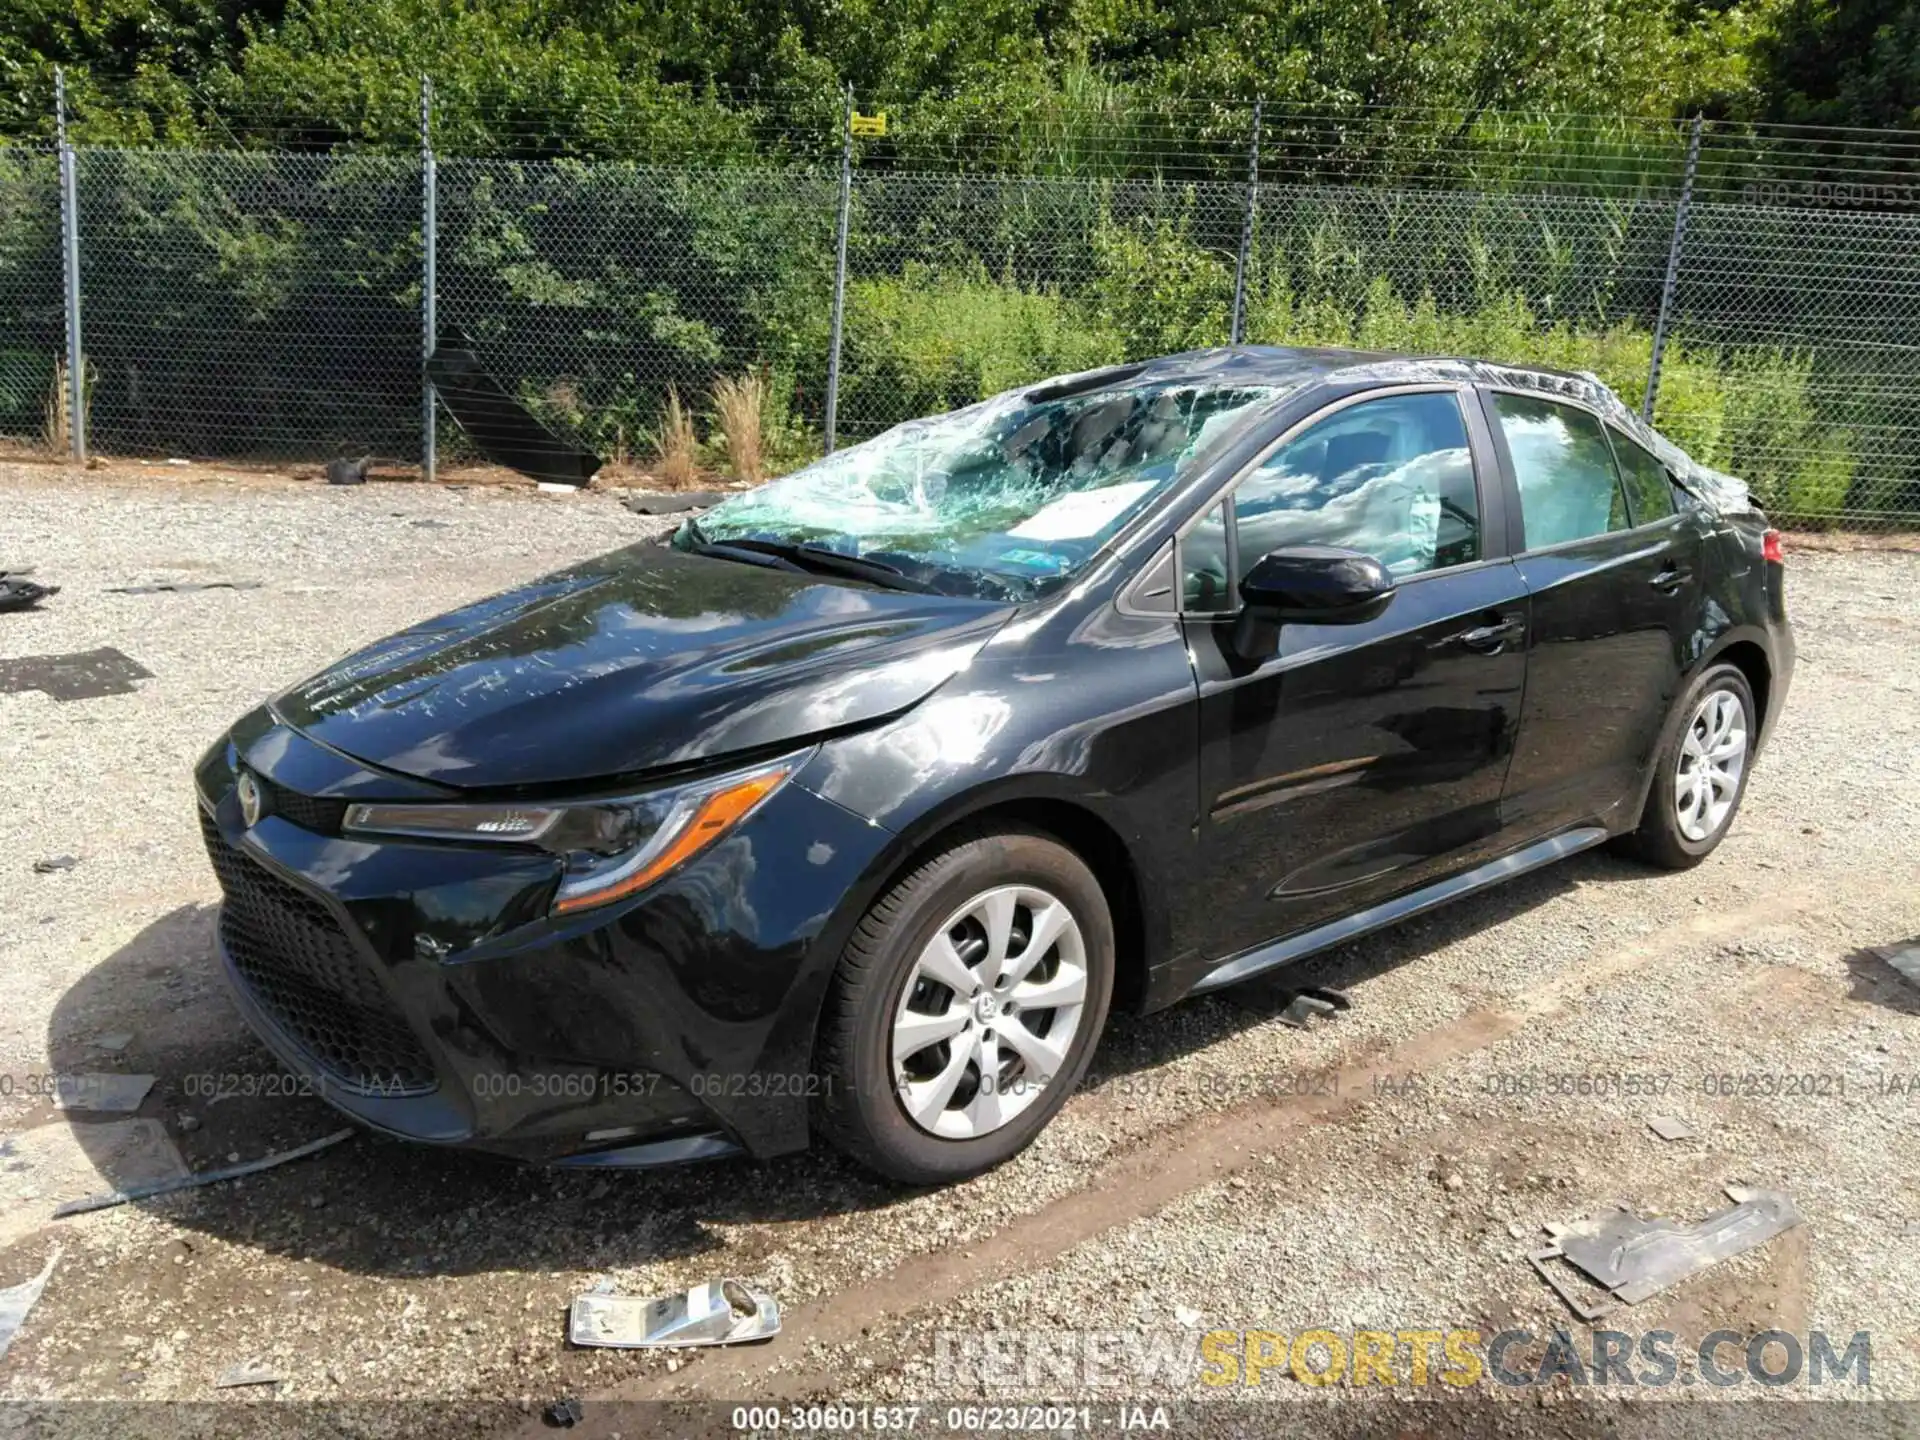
(613, 848)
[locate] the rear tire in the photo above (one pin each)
(1700, 772)
(994, 956)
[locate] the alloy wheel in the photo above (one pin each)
(988, 1014)
(1713, 757)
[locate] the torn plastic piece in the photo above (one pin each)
(19, 593)
(1671, 1127)
(209, 1177)
(1903, 960)
(349, 472)
(717, 1312)
(76, 675)
(501, 428)
(18, 1300)
(102, 1091)
(247, 1372)
(1633, 1259)
(181, 587)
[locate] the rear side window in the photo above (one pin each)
(1649, 491)
(1569, 489)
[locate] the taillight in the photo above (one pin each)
(1771, 550)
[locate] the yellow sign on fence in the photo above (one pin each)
(869, 124)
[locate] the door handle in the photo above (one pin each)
(1490, 639)
(1671, 578)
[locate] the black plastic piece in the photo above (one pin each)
(501, 428)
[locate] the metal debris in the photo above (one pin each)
(672, 502)
(1306, 1004)
(247, 1372)
(53, 864)
(17, 1301)
(100, 1091)
(1671, 1127)
(717, 1312)
(79, 675)
(209, 1177)
(1633, 1259)
(19, 593)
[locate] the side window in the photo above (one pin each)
(1206, 576)
(1649, 490)
(1569, 488)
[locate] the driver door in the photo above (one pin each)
(1367, 758)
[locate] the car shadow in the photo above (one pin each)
(384, 1207)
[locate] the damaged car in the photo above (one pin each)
(854, 807)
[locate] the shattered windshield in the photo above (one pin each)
(1005, 499)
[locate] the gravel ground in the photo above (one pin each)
(1385, 1170)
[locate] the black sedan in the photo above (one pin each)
(857, 804)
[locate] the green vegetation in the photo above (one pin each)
(636, 200)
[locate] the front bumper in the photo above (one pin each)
(422, 989)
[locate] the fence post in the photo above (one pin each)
(840, 269)
(70, 273)
(429, 278)
(1246, 230)
(1673, 271)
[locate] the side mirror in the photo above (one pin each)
(1311, 584)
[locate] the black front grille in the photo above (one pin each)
(309, 812)
(303, 970)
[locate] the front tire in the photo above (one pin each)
(1700, 773)
(965, 1009)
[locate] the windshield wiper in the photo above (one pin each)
(831, 562)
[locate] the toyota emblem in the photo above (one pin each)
(248, 791)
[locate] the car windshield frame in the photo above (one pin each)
(1007, 499)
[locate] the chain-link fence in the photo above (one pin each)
(263, 304)
(33, 390)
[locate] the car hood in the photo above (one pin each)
(645, 658)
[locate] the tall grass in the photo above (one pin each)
(739, 423)
(676, 447)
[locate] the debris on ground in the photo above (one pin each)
(19, 593)
(77, 675)
(565, 1414)
(101, 1091)
(716, 1312)
(17, 1301)
(1671, 1127)
(113, 1042)
(247, 1372)
(500, 427)
(53, 864)
(549, 487)
(181, 587)
(671, 502)
(1318, 1001)
(1633, 1259)
(208, 1177)
(1904, 960)
(349, 472)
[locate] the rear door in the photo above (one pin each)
(1614, 576)
(1360, 759)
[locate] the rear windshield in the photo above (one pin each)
(1007, 498)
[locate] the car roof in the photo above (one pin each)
(1290, 366)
